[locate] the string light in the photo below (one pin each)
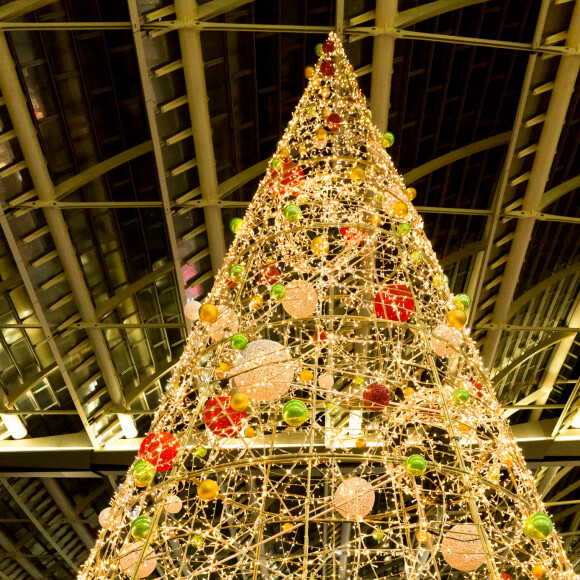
(336, 292)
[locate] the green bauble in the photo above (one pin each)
(439, 280)
(416, 465)
(236, 273)
(292, 213)
(236, 224)
(278, 291)
(198, 540)
(276, 163)
(460, 396)
(140, 527)
(416, 258)
(378, 535)
(310, 111)
(318, 50)
(359, 381)
(238, 341)
(201, 451)
(387, 139)
(143, 473)
(295, 413)
(538, 526)
(462, 301)
(403, 229)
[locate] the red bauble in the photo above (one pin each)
(394, 302)
(320, 337)
(328, 47)
(327, 68)
(291, 176)
(376, 397)
(353, 236)
(221, 419)
(334, 122)
(477, 388)
(231, 283)
(432, 409)
(159, 449)
(269, 275)
(505, 576)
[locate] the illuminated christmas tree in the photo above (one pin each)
(330, 416)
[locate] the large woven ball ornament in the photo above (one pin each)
(266, 370)
(326, 381)
(461, 548)
(445, 340)
(110, 519)
(208, 313)
(354, 498)
(301, 299)
(159, 449)
(394, 302)
(225, 325)
(221, 419)
(376, 397)
(129, 559)
(191, 310)
(173, 504)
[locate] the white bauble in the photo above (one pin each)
(173, 504)
(326, 381)
(226, 324)
(446, 340)
(129, 557)
(354, 498)
(109, 520)
(301, 299)
(461, 548)
(266, 370)
(191, 309)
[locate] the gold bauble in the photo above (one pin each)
(539, 571)
(221, 370)
(411, 193)
(375, 220)
(249, 432)
(408, 391)
(326, 112)
(324, 92)
(423, 536)
(400, 209)
(284, 153)
(208, 490)
(464, 427)
(302, 149)
(306, 376)
(286, 526)
(361, 443)
(256, 302)
(357, 173)
(457, 318)
(239, 402)
(309, 72)
(321, 134)
(319, 246)
(208, 313)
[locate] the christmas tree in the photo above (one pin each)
(330, 416)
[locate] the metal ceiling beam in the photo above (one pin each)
(382, 67)
(193, 69)
(430, 10)
(17, 107)
(23, 561)
(21, 7)
(64, 505)
(548, 143)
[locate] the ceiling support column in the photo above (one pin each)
(540, 172)
(193, 69)
(382, 69)
(16, 104)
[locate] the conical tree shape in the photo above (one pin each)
(329, 418)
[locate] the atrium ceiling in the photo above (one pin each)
(113, 213)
